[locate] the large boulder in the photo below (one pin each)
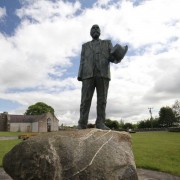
(89, 154)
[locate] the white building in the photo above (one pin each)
(29, 123)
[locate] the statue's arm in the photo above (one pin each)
(111, 57)
(81, 65)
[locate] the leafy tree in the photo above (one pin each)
(176, 110)
(155, 123)
(166, 117)
(115, 125)
(128, 126)
(141, 125)
(147, 123)
(144, 124)
(121, 124)
(112, 124)
(38, 109)
(135, 126)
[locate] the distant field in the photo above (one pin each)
(152, 150)
(158, 151)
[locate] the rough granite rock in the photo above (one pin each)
(90, 154)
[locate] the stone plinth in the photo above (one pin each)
(90, 154)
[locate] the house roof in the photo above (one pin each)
(25, 118)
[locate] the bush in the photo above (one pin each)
(174, 129)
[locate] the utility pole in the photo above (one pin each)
(151, 118)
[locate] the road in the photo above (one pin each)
(143, 174)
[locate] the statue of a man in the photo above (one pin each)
(94, 72)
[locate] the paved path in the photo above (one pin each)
(143, 174)
(8, 137)
(3, 175)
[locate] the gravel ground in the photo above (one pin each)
(143, 174)
(8, 138)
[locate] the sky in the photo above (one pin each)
(40, 46)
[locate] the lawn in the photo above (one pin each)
(11, 133)
(5, 146)
(158, 151)
(152, 150)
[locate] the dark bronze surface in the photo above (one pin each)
(94, 72)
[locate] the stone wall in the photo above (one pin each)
(54, 123)
(43, 125)
(35, 127)
(21, 127)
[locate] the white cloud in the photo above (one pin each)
(51, 34)
(102, 3)
(48, 10)
(147, 23)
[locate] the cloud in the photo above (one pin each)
(37, 49)
(41, 10)
(138, 25)
(35, 61)
(166, 80)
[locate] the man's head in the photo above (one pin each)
(95, 31)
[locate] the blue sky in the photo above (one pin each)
(11, 20)
(40, 45)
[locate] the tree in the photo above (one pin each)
(149, 123)
(112, 124)
(155, 122)
(144, 124)
(121, 124)
(128, 126)
(176, 110)
(141, 124)
(38, 109)
(166, 117)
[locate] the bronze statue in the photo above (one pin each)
(94, 72)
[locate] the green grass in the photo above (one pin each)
(6, 146)
(157, 151)
(11, 133)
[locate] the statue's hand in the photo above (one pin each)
(111, 58)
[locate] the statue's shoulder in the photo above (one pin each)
(106, 43)
(86, 43)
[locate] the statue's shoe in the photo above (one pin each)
(102, 126)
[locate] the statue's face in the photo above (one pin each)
(95, 31)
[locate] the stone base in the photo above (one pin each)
(78, 154)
